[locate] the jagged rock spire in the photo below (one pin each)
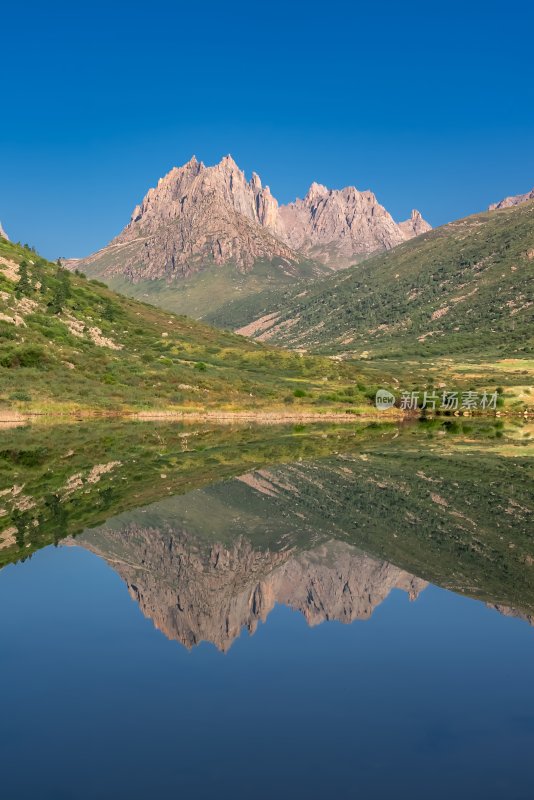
(414, 226)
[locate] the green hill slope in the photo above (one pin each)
(69, 343)
(465, 288)
(205, 292)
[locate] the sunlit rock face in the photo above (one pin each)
(338, 227)
(414, 226)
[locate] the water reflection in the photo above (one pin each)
(194, 594)
(211, 528)
(330, 538)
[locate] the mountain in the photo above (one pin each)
(3, 234)
(68, 343)
(205, 235)
(467, 287)
(196, 216)
(414, 226)
(514, 200)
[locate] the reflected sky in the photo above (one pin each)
(426, 698)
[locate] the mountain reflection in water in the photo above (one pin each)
(195, 596)
(208, 564)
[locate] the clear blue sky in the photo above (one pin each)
(429, 104)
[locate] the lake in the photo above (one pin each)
(302, 612)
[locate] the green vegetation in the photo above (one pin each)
(71, 344)
(208, 290)
(55, 480)
(465, 290)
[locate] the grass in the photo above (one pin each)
(513, 376)
(55, 480)
(203, 293)
(71, 344)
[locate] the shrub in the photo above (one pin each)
(29, 356)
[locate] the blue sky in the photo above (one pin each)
(430, 105)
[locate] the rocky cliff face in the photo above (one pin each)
(3, 234)
(339, 227)
(194, 593)
(514, 200)
(198, 215)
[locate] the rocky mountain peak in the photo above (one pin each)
(255, 182)
(414, 226)
(228, 162)
(316, 190)
(3, 234)
(198, 215)
(338, 226)
(193, 165)
(193, 594)
(513, 200)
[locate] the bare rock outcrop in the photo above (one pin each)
(513, 200)
(194, 217)
(3, 234)
(508, 611)
(414, 226)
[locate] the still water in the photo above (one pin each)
(306, 616)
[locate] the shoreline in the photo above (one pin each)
(14, 418)
(9, 419)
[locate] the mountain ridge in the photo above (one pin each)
(213, 594)
(512, 200)
(467, 286)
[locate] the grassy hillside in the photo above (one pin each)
(464, 289)
(204, 292)
(70, 343)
